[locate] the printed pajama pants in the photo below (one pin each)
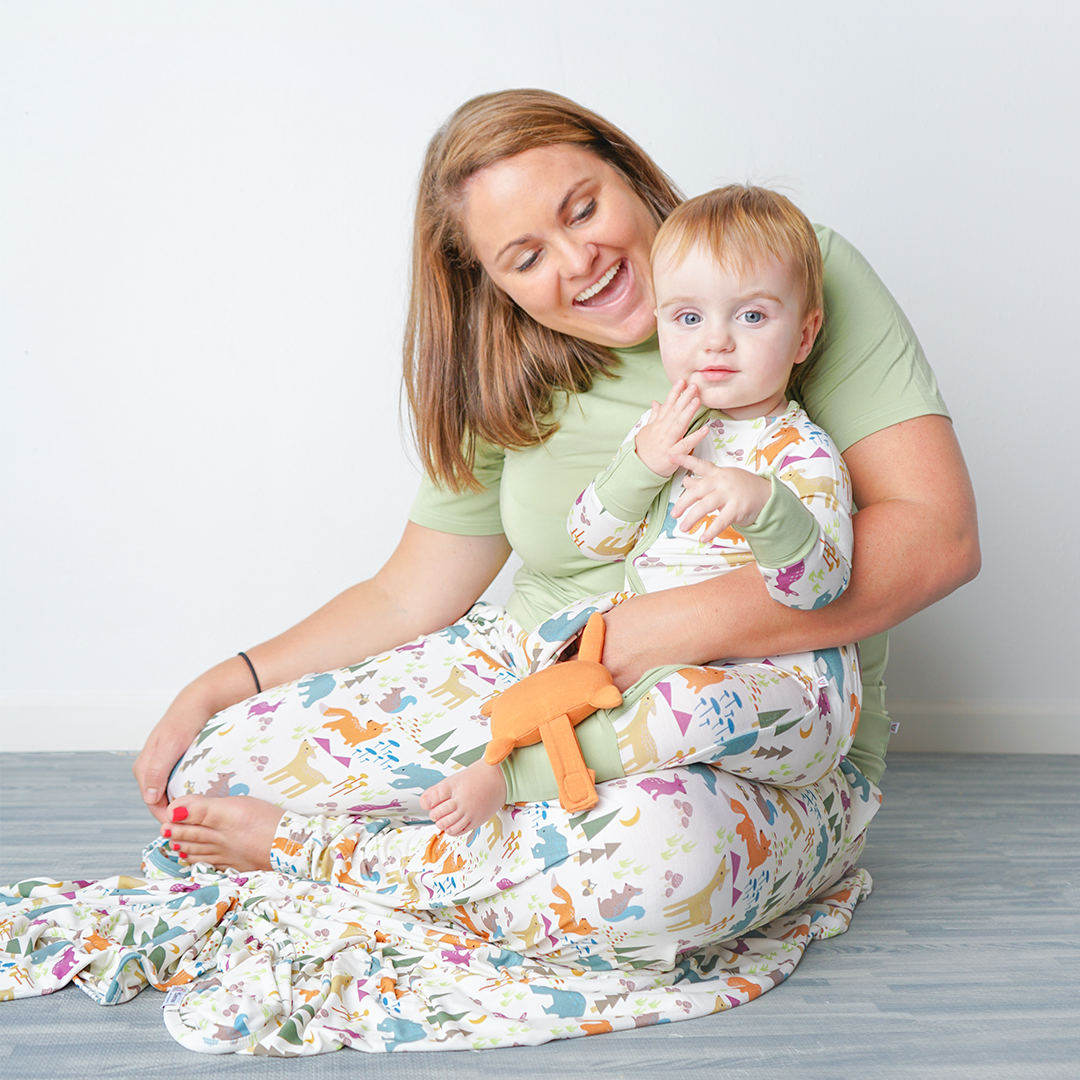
(695, 850)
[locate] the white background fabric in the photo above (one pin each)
(206, 219)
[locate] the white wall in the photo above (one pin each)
(205, 223)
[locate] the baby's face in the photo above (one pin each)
(734, 335)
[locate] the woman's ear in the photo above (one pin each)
(811, 326)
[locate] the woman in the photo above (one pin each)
(534, 222)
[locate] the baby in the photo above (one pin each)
(737, 275)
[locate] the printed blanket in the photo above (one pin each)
(261, 963)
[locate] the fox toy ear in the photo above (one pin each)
(592, 639)
(607, 697)
(497, 750)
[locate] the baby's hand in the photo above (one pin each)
(718, 496)
(665, 432)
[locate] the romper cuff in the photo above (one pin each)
(628, 486)
(528, 773)
(785, 531)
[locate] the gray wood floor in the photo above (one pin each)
(965, 962)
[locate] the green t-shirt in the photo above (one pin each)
(868, 373)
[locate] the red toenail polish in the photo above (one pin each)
(179, 813)
(166, 832)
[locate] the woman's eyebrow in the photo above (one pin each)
(571, 193)
(562, 207)
(513, 243)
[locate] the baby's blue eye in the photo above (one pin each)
(754, 317)
(689, 318)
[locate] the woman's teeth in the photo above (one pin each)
(592, 290)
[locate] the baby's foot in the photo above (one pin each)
(234, 832)
(464, 801)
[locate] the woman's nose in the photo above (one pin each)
(579, 257)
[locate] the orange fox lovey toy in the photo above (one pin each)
(546, 705)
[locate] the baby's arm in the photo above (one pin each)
(609, 515)
(800, 532)
(601, 534)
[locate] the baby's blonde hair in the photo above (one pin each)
(740, 226)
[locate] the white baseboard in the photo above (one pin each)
(42, 722)
(985, 727)
(36, 722)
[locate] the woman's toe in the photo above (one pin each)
(188, 809)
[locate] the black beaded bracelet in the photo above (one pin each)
(251, 668)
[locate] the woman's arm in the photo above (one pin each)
(916, 540)
(430, 580)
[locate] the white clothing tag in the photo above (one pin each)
(894, 727)
(174, 996)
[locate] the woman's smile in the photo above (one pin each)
(566, 238)
(594, 290)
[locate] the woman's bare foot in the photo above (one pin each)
(234, 832)
(464, 801)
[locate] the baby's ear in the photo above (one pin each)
(810, 328)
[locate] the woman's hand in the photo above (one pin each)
(172, 735)
(430, 580)
(221, 686)
(916, 540)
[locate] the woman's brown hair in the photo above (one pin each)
(476, 366)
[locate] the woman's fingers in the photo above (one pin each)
(151, 770)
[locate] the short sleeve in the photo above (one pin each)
(868, 370)
(464, 513)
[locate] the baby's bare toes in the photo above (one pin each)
(436, 795)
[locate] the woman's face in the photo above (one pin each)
(568, 240)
